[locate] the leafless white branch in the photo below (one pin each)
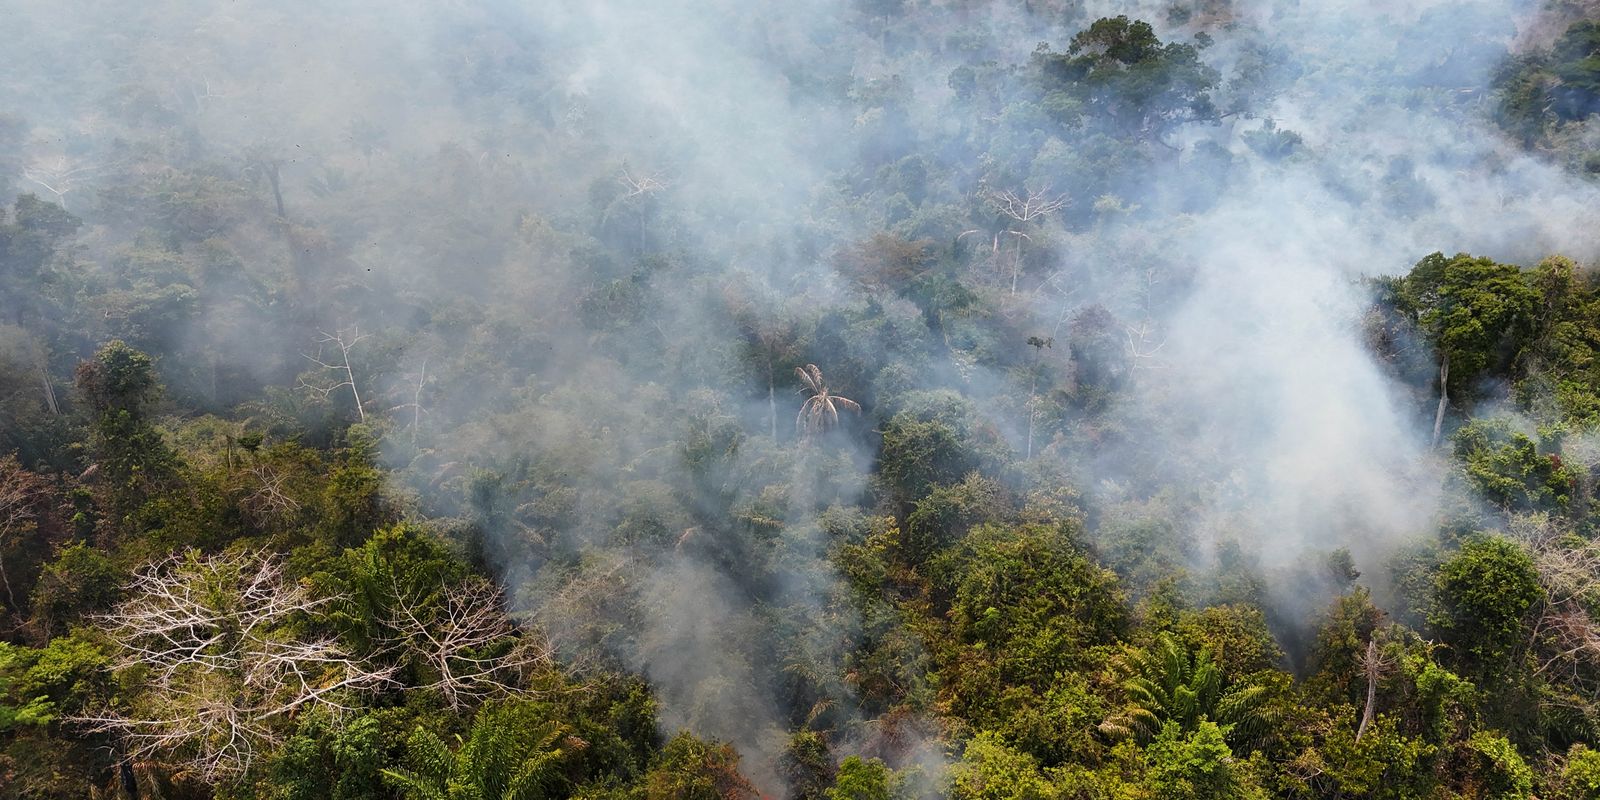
(1026, 207)
(342, 374)
(641, 185)
(214, 642)
(1565, 637)
(472, 647)
(1141, 346)
(270, 499)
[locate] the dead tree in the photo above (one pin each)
(637, 190)
(1374, 665)
(414, 405)
(1142, 350)
(472, 649)
(820, 411)
(59, 177)
(1444, 398)
(1022, 210)
(338, 366)
(1565, 636)
(42, 364)
(641, 185)
(271, 499)
(221, 662)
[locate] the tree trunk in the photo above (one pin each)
(49, 390)
(1444, 398)
(277, 193)
(1029, 456)
(1016, 265)
(361, 410)
(1033, 411)
(772, 403)
(11, 599)
(1372, 688)
(130, 782)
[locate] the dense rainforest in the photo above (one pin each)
(826, 400)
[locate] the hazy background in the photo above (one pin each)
(594, 238)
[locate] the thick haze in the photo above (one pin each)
(458, 154)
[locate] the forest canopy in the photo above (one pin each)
(829, 400)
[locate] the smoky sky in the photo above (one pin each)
(466, 157)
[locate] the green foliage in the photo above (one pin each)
(989, 770)
(39, 685)
(1340, 646)
(1118, 70)
(1236, 636)
(807, 766)
(581, 344)
(936, 440)
(1512, 469)
(1384, 763)
(119, 385)
(511, 752)
(1478, 313)
(335, 760)
(1564, 357)
(1442, 699)
(1026, 606)
(1056, 726)
(81, 581)
(1482, 598)
(1502, 774)
(864, 779)
(1541, 90)
(1580, 779)
(946, 514)
(691, 769)
(1166, 685)
(400, 561)
(353, 499)
(1197, 765)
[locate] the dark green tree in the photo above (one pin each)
(1477, 312)
(1482, 598)
(119, 386)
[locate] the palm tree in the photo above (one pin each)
(510, 753)
(821, 410)
(1165, 683)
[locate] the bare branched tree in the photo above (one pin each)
(214, 642)
(59, 176)
(337, 366)
(637, 198)
(635, 186)
(414, 404)
(1566, 636)
(1028, 207)
(270, 499)
(1142, 346)
(1374, 665)
(1022, 210)
(820, 411)
(473, 649)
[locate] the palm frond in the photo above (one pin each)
(805, 377)
(820, 411)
